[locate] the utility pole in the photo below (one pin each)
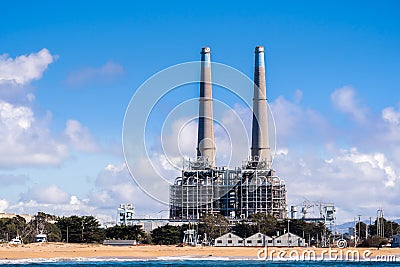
(83, 227)
(369, 228)
(67, 234)
(359, 226)
(355, 233)
(391, 227)
(288, 232)
(380, 224)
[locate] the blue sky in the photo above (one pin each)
(333, 84)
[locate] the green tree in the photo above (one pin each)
(11, 227)
(244, 229)
(360, 230)
(390, 228)
(43, 223)
(81, 229)
(166, 235)
(92, 233)
(301, 228)
(266, 224)
(374, 241)
(214, 225)
(15, 226)
(53, 232)
(134, 232)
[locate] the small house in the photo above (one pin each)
(289, 240)
(258, 240)
(229, 240)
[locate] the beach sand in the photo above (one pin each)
(70, 251)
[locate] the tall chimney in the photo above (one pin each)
(205, 135)
(260, 144)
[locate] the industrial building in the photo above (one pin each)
(235, 193)
(125, 214)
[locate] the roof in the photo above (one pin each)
(229, 235)
(258, 235)
(291, 235)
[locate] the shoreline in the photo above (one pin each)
(73, 252)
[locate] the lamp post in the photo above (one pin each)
(288, 232)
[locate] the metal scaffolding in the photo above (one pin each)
(235, 194)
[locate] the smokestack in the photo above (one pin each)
(260, 144)
(205, 135)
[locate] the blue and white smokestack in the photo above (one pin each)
(260, 145)
(205, 135)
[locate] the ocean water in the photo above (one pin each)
(187, 262)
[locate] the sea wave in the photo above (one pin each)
(197, 260)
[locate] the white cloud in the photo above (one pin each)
(26, 139)
(296, 124)
(53, 200)
(357, 183)
(47, 195)
(113, 174)
(60, 209)
(391, 116)
(17, 74)
(74, 201)
(14, 117)
(23, 69)
(391, 127)
(115, 186)
(79, 137)
(376, 161)
(3, 205)
(322, 162)
(288, 116)
(344, 99)
(105, 73)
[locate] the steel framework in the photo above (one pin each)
(234, 193)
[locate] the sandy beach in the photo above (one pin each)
(69, 251)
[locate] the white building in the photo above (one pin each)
(289, 240)
(258, 240)
(126, 213)
(396, 241)
(229, 240)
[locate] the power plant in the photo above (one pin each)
(235, 193)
